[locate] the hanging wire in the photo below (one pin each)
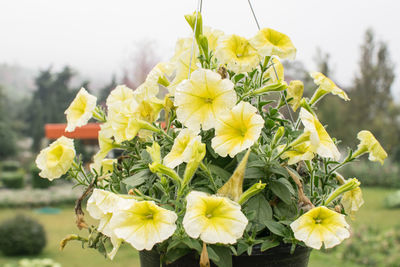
(273, 65)
(198, 10)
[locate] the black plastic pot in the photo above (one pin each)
(275, 257)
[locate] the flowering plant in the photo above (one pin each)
(214, 166)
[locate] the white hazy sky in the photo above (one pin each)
(95, 36)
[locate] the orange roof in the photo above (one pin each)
(56, 130)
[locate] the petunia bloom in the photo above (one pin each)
(56, 159)
(237, 130)
(213, 36)
(181, 149)
(302, 151)
(201, 98)
(269, 42)
(101, 206)
(237, 53)
(369, 144)
(326, 86)
(143, 224)
(319, 138)
(80, 111)
(213, 219)
(275, 72)
(352, 201)
(321, 225)
(295, 93)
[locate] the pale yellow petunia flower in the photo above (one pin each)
(143, 224)
(237, 53)
(326, 86)
(80, 110)
(369, 144)
(213, 36)
(213, 219)
(275, 72)
(181, 150)
(320, 139)
(352, 201)
(200, 99)
(321, 225)
(56, 159)
(237, 130)
(269, 42)
(101, 206)
(302, 151)
(295, 92)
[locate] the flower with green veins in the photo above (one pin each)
(237, 130)
(295, 93)
(321, 225)
(214, 219)
(202, 98)
(56, 159)
(142, 223)
(155, 152)
(269, 42)
(302, 151)
(107, 165)
(326, 86)
(320, 139)
(81, 110)
(275, 72)
(237, 53)
(369, 144)
(352, 201)
(101, 206)
(181, 149)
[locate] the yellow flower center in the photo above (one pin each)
(208, 100)
(54, 156)
(318, 220)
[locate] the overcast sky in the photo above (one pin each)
(96, 37)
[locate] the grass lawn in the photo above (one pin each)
(62, 224)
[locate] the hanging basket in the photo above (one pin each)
(275, 257)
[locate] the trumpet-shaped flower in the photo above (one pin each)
(120, 98)
(201, 98)
(321, 225)
(275, 72)
(326, 86)
(302, 151)
(269, 42)
(143, 224)
(213, 37)
(107, 165)
(213, 219)
(80, 111)
(352, 201)
(319, 138)
(237, 53)
(56, 159)
(237, 130)
(369, 144)
(182, 148)
(295, 92)
(101, 206)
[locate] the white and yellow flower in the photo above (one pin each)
(181, 150)
(56, 159)
(320, 139)
(326, 86)
(120, 98)
(295, 93)
(275, 72)
(321, 225)
(107, 165)
(143, 224)
(237, 130)
(81, 110)
(213, 36)
(201, 98)
(352, 201)
(213, 219)
(302, 151)
(369, 144)
(237, 53)
(101, 206)
(269, 42)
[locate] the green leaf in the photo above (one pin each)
(254, 173)
(267, 244)
(276, 168)
(192, 243)
(276, 228)
(212, 254)
(223, 174)
(281, 190)
(137, 179)
(261, 206)
(225, 256)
